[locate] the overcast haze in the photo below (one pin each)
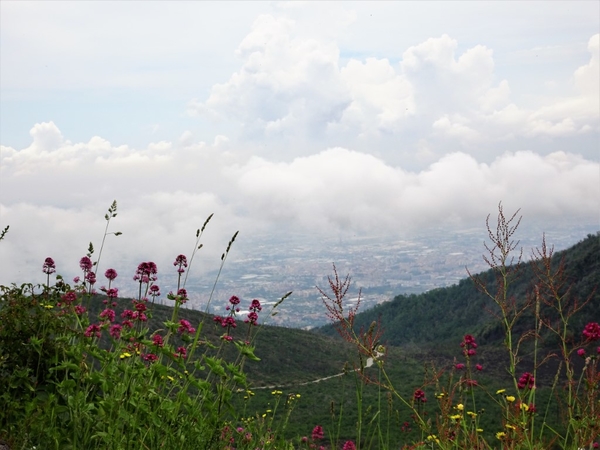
(324, 118)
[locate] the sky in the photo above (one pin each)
(322, 118)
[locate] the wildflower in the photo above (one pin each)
(440, 395)
(157, 340)
(479, 367)
(317, 433)
(459, 366)
(92, 330)
(47, 305)
(471, 383)
(252, 318)
(500, 435)
(304, 439)
(479, 430)
(181, 351)
(49, 267)
(456, 417)
(581, 352)
(185, 327)
(154, 290)
(181, 262)
(79, 310)
(460, 407)
(108, 314)
(592, 331)
(500, 391)
(234, 300)
(526, 380)
(115, 331)
(510, 398)
(182, 294)
(349, 445)
(419, 396)
(471, 414)
(433, 437)
(510, 427)
(111, 293)
(110, 274)
(86, 264)
(90, 277)
(125, 355)
(276, 393)
(227, 338)
(150, 357)
(127, 323)
(255, 306)
(76, 280)
(146, 272)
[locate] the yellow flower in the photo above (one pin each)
(479, 430)
(472, 414)
(456, 417)
(276, 393)
(500, 391)
(125, 355)
(500, 435)
(524, 406)
(170, 378)
(510, 427)
(298, 395)
(460, 406)
(510, 398)
(433, 437)
(441, 395)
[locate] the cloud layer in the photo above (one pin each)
(314, 123)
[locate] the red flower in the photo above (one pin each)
(317, 433)
(592, 331)
(419, 396)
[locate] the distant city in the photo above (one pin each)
(268, 267)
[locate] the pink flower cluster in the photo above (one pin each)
(185, 327)
(469, 345)
(526, 381)
(592, 331)
(419, 396)
(49, 267)
(180, 263)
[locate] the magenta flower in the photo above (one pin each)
(419, 396)
(255, 306)
(349, 445)
(69, 297)
(150, 357)
(49, 267)
(115, 331)
(181, 263)
(154, 290)
(479, 367)
(108, 314)
(110, 274)
(234, 300)
(157, 340)
(592, 331)
(90, 277)
(79, 310)
(581, 352)
(317, 433)
(181, 352)
(92, 330)
(526, 381)
(185, 327)
(146, 272)
(459, 366)
(86, 264)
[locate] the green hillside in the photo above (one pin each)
(446, 314)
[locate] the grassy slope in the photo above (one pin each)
(420, 329)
